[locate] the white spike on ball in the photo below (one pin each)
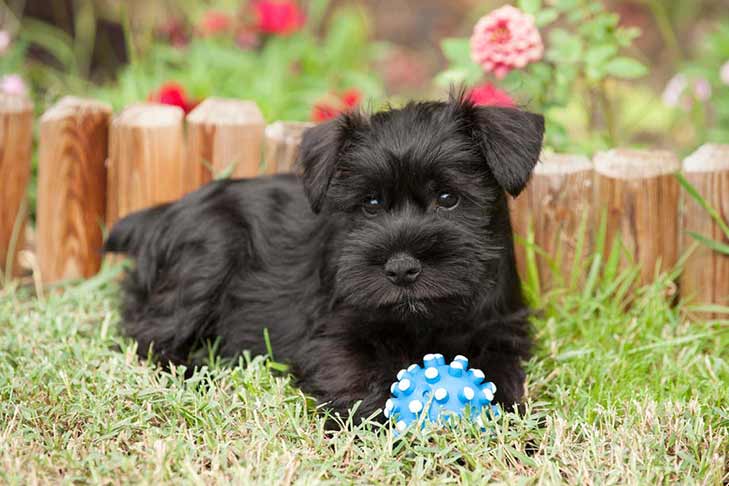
(415, 406)
(431, 373)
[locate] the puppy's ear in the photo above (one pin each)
(510, 141)
(320, 151)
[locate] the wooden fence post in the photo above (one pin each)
(16, 136)
(282, 145)
(640, 193)
(705, 278)
(223, 134)
(146, 158)
(554, 204)
(72, 188)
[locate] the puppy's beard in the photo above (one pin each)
(368, 289)
(411, 307)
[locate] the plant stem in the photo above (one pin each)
(608, 113)
(658, 9)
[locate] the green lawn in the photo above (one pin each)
(615, 396)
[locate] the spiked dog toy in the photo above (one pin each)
(438, 391)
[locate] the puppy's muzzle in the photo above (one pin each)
(403, 269)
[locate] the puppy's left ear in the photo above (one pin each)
(321, 148)
(510, 141)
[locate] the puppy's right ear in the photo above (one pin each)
(321, 148)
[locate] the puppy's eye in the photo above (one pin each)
(447, 200)
(372, 205)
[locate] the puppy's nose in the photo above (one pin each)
(402, 269)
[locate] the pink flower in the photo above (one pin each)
(214, 23)
(674, 90)
(247, 39)
(5, 41)
(489, 95)
(682, 92)
(702, 89)
(13, 84)
(724, 73)
(505, 39)
(278, 17)
(175, 32)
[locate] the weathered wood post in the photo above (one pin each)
(16, 136)
(555, 204)
(282, 145)
(705, 278)
(72, 188)
(640, 193)
(146, 158)
(225, 136)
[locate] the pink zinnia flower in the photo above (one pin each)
(489, 95)
(724, 73)
(506, 39)
(5, 40)
(13, 84)
(278, 17)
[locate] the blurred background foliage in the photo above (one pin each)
(614, 72)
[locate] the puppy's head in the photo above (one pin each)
(420, 192)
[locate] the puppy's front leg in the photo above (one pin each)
(339, 374)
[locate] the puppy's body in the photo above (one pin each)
(350, 292)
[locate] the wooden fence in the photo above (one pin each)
(94, 168)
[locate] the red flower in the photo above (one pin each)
(174, 94)
(278, 17)
(351, 97)
(489, 95)
(323, 112)
(333, 105)
(214, 23)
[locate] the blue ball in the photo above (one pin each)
(438, 391)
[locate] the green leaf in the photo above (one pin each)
(713, 244)
(600, 54)
(626, 36)
(696, 196)
(457, 50)
(546, 16)
(566, 4)
(459, 75)
(566, 48)
(626, 68)
(530, 6)
(226, 172)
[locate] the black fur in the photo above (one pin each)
(299, 255)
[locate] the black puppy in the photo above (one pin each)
(394, 242)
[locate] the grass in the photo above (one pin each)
(617, 394)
